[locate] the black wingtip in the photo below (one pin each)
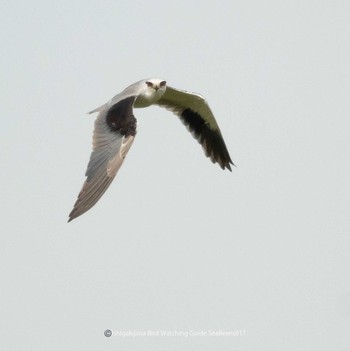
(227, 165)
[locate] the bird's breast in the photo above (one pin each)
(147, 99)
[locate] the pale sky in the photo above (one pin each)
(176, 244)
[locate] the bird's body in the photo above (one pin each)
(116, 128)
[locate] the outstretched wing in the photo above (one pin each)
(114, 133)
(196, 115)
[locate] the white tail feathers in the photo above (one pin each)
(98, 109)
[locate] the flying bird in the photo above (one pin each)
(116, 128)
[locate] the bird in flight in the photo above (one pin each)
(116, 127)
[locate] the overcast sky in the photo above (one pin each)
(176, 244)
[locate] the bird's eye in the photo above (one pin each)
(149, 84)
(162, 83)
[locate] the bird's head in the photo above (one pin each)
(156, 84)
(151, 91)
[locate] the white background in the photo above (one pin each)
(176, 243)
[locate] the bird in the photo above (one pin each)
(116, 127)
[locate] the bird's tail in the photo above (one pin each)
(98, 109)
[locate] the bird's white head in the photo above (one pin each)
(152, 90)
(156, 84)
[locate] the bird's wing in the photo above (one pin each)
(114, 133)
(195, 114)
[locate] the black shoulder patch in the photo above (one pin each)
(210, 139)
(120, 117)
